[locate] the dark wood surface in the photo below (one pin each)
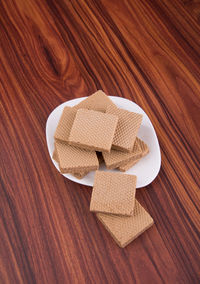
(53, 51)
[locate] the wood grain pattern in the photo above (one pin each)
(193, 7)
(53, 51)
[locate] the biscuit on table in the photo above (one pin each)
(98, 101)
(65, 124)
(78, 175)
(125, 229)
(145, 150)
(115, 158)
(127, 128)
(75, 160)
(93, 130)
(113, 193)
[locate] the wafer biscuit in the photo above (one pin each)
(127, 166)
(113, 193)
(78, 175)
(144, 147)
(65, 124)
(125, 229)
(98, 101)
(93, 130)
(145, 150)
(55, 156)
(115, 158)
(127, 128)
(75, 160)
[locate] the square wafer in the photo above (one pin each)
(145, 150)
(75, 160)
(78, 175)
(125, 229)
(127, 128)
(98, 101)
(115, 158)
(93, 130)
(65, 124)
(113, 193)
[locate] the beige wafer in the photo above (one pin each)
(65, 124)
(145, 150)
(113, 193)
(75, 160)
(115, 158)
(127, 128)
(55, 156)
(125, 229)
(127, 166)
(93, 130)
(98, 101)
(78, 175)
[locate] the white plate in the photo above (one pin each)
(146, 169)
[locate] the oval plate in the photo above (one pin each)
(146, 169)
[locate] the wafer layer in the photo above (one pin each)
(127, 128)
(78, 175)
(99, 101)
(127, 166)
(113, 193)
(65, 124)
(125, 229)
(55, 156)
(115, 158)
(144, 147)
(145, 150)
(93, 130)
(75, 160)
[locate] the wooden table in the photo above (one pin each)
(53, 51)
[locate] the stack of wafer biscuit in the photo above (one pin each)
(97, 131)
(96, 124)
(113, 200)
